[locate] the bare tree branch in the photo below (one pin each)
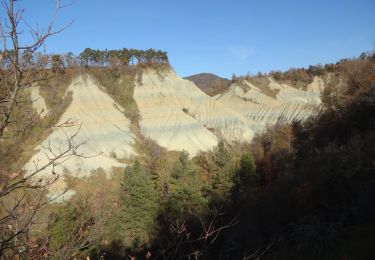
(22, 195)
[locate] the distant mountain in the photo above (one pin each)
(209, 83)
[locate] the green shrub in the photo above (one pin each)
(140, 207)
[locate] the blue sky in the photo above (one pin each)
(222, 37)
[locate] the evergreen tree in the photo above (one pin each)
(57, 63)
(186, 196)
(222, 169)
(247, 169)
(140, 205)
(84, 57)
(247, 175)
(182, 167)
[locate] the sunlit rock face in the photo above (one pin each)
(96, 124)
(261, 109)
(179, 116)
(174, 112)
(38, 102)
(167, 108)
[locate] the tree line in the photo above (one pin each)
(87, 58)
(121, 57)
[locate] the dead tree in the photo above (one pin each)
(181, 243)
(22, 195)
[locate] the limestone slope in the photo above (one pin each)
(38, 102)
(179, 116)
(288, 103)
(174, 112)
(99, 126)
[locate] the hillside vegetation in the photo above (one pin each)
(95, 163)
(209, 83)
(29, 129)
(301, 191)
(298, 78)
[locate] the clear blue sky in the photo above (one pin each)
(218, 36)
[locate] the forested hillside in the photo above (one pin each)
(209, 83)
(95, 163)
(300, 190)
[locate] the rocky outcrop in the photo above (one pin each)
(287, 103)
(38, 102)
(179, 116)
(99, 126)
(173, 111)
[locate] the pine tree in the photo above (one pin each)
(140, 205)
(57, 63)
(246, 176)
(186, 196)
(222, 169)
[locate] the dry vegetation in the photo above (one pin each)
(119, 84)
(262, 83)
(30, 127)
(210, 84)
